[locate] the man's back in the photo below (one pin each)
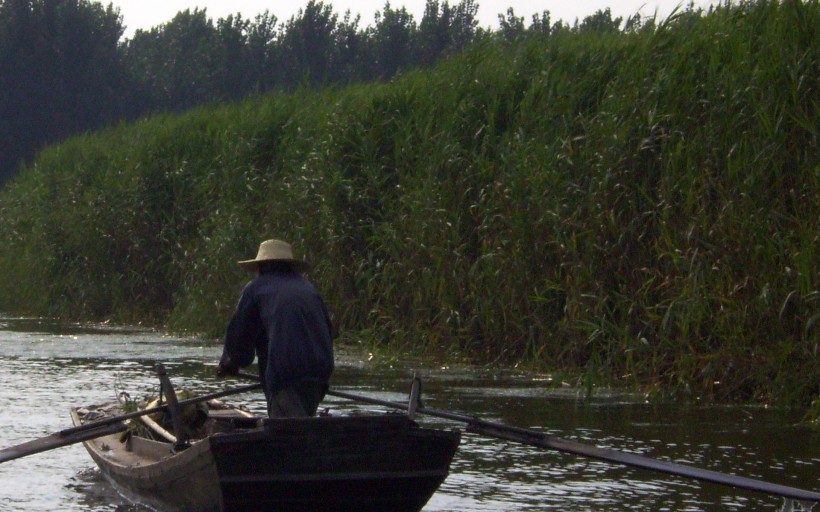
(297, 327)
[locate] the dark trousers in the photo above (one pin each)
(299, 399)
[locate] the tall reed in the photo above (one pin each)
(640, 206)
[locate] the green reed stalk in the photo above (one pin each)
(638, 206)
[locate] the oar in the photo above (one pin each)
(101, 427)
(535, 438)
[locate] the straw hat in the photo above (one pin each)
(273, 250)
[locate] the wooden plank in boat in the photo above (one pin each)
(149, 448)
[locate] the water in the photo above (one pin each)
(46, 367)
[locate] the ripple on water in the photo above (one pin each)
(46, 368)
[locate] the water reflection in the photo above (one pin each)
(95, 493)
(46, 367)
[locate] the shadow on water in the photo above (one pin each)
(46, 367)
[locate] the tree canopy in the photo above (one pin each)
(65, 67)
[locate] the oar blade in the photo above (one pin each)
(57, 440)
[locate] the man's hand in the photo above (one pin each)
(226, 368)
(226, 371)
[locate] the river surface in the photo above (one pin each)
(47, 367)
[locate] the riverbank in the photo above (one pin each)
(635, 206)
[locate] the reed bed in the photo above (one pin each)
(639, 207)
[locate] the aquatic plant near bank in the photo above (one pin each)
(639, 205)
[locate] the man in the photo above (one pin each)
(282, 320)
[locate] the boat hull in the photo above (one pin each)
(363, 464)
(378, 463)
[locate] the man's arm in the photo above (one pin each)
(239, 349)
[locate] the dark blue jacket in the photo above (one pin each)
(283, 321)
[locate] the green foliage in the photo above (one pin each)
(639, 204)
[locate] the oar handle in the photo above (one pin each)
(56, 441)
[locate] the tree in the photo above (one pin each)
(511, 26)
(176, 61)
(445, 29)
(261, 50)
(349, 44)
(601, 21)
(61, 73)
(463, 25)
(541, 23)
(307, 45)
(434, 31)
(392, 39)
(233, 74)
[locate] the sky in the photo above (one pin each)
(145, 14)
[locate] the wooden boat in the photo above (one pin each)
(368, 463)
